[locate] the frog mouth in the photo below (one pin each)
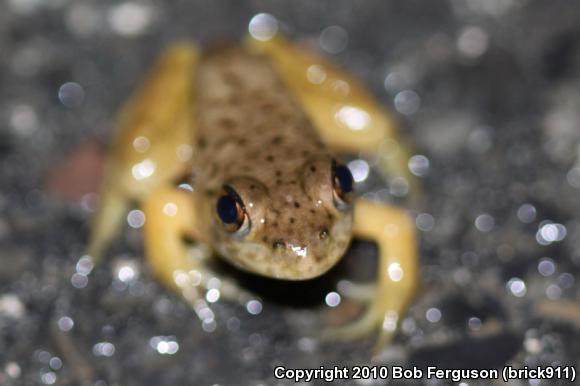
(292, 262)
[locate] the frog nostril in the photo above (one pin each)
(278, 244)
(323, 235)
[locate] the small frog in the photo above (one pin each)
(256, 126)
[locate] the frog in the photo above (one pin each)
(255, 128)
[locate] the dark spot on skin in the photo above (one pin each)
(312, 168)
(292, 182)
(323, 235)
(329, 216)
(252, 187)
(284, 116)
(258, 93)
(242, 142)
(211, 169)
(278, 181)
(275, 224)
(231, 79)
(276, 140)
(312, 211)
(270, 158)
(292, 219)
(234, 99)
(265, 239)
(278, 173)
(305, 153)
(267, 107)
(296, 204)
(227, 123)
(279, 244)
(202, 143)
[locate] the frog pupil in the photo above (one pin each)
(227, 209)
(344, 178)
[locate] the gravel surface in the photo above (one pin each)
(488, 91)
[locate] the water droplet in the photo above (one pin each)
(474, 323)
(104, 349)
(395, 272)
(549, 232)
(433, 315)
(407, 102)
(55, 363)
(315, 74)
(142, 170)
(85, 265)
(48, 378)
(71, 94)
(23, 119)
(13, 370)
(136, 218)
(484, 223)
(425, 222)
(263, 26)
(65, 323)
(360, 170)
(399, 187)
(141, 144)
(126, 271)
(332, 299)
(516, 287)
(164, 345)
(79, 281)
(353, 117)
(419, 165)
(472, 42)
(333, 39)
(170, 209)
(546, 267)
(130, 18)
(553, 292)
(212, 295)
(254, 307)
(526, 213)
(11, 306)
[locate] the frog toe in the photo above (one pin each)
(359, 328)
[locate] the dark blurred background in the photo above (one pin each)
(487, 91)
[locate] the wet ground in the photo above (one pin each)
(487, 91)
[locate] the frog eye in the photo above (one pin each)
(342, 183)
(232, 213)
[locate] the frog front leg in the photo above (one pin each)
(171, 219)
(152, 142)
(397, 279)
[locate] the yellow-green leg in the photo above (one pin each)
(171, 220)
(397, 277)
(347, 116)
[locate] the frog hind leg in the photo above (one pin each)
(349, 119)
(394, 232)
(151, 144)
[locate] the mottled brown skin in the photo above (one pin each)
(249, 118)
(254, 137)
